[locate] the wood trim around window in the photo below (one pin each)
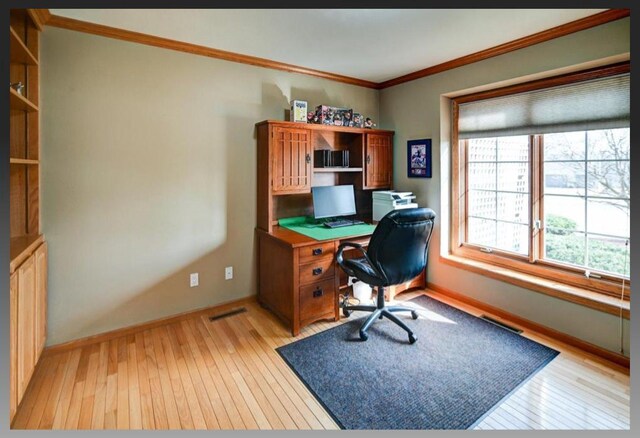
(617, 68)
(584, 297)
(547, 270)
(535, 184)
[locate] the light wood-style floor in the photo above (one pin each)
(226, 374)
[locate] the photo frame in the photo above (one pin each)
(419, 158)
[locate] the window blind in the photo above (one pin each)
(602, 103)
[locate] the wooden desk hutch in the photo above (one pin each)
(298, 278)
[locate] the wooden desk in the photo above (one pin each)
(299, 279)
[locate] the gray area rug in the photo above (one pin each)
(458, 370)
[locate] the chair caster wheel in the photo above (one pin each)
(412, 338)
(363, 336)
(414, 314)
(346, 313)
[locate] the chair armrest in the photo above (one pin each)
(340, 258)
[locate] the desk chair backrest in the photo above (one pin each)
(398, 245)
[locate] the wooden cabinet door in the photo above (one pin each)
(378, 161)
(290, 161)
(13, 345)
(41, 299)
(26, 346)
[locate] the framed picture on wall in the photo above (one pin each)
(419, 158)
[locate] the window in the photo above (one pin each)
(498, 193)
(542, 178)
(586, 199)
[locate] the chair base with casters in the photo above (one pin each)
(378, 312)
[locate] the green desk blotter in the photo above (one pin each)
(301, 225)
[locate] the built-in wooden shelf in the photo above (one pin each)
(19, 102)
(18, 52)
(337, 169)
(21, 247)
(23, 161)
(27, 249)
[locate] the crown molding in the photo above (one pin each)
(521, 43)
(43, 16)
(166, 43)
(39, 17)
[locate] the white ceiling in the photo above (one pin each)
(370, 44)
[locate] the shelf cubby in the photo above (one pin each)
(20, 103)
(19, 53)
(21, 245)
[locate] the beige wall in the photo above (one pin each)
(149, 174)
(414, 111)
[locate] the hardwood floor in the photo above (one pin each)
(226, 374)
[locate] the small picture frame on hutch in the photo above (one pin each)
(419, 158)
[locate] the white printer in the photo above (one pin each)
(387, 200)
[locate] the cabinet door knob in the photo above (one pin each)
(317, 293)
(368, 159)
(317, 251)
(317, 271)
(307, 158)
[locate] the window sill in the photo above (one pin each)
(585, 297)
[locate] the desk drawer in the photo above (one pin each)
(317, 299)
(319, 270)
(314, 252)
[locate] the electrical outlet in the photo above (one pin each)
(193, 280)
(228, 273)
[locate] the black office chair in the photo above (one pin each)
(397, 253)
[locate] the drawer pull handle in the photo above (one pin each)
(317, 271)
(316, 251)
(317, 293)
